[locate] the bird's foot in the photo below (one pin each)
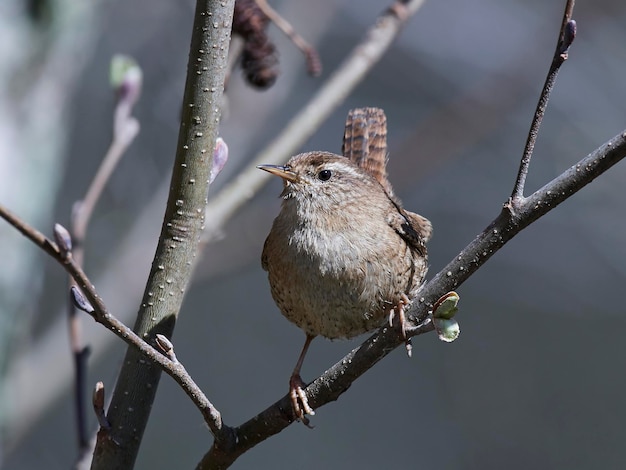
(299, 400)
(399, 311)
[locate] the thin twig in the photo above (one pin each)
(514, 218)
(84, 208)
(314, 64)
(566, 36)
(365, 55)
(125, 128)
(101, 315)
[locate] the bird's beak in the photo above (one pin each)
(285, 172)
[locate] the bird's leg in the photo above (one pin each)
(299, 401)
(399, 310)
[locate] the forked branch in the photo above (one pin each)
(336, 380)
(567, 33)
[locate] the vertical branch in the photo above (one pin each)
(566, 37)
(178, 242)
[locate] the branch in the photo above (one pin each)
(125, 129)
(126, 78)
(567, 33)
(314, 65)
(86, 298)
(514, 217)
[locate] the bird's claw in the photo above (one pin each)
(299, 400)
(399, 310)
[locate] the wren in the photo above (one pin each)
(342, 255)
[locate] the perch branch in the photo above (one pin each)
(517, 213)
(336, 380)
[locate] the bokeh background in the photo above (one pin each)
(536, 379)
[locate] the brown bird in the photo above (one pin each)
(343, 255)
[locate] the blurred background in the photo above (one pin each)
(535, 379)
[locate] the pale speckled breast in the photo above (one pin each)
(325, 286)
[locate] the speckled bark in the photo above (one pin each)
(183, 222)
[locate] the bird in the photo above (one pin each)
(343, 256)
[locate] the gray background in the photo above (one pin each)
(535, 379)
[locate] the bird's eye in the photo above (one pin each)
(324, 175)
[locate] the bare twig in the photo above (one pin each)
(566, 37)
(363, 57)
(99, 312)
(126, 77)
(314, 64)
(516, 216)
(125, 129)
